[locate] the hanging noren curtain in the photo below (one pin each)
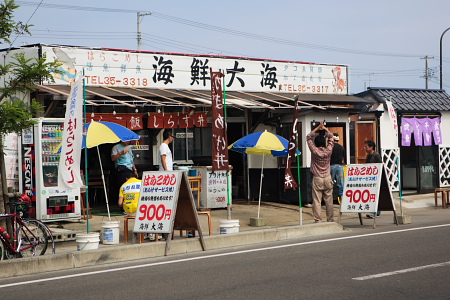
(423, 130)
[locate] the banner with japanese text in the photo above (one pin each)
(219, 125)
(200, 119)
(289, 181)
(422, 129)
(157, 201)
(361, 188)
(175, 120)
(131, 69)
(69, 176)
(130, 121)
(393, 120)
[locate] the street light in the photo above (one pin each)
(440, 57)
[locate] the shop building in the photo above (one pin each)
(408, 126)
(150, 91)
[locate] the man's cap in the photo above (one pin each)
(336, 137)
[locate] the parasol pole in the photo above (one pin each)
(299, 189)
(228, 171)
(260, 185)
(104, 185)
(86, 204)
(399, 185)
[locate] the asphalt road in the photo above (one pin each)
(404, 262)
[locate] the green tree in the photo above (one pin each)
(20, 76)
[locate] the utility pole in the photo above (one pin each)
(140, 15)
(427, 76)
(440, 58)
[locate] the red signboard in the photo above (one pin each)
(131, 121)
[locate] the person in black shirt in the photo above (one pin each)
(371, 158)
(336, 162)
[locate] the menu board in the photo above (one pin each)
(361, 188)
(157, 201)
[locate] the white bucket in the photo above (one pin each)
(88, 241)
(110, 232)
(229, 226)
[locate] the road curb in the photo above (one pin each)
(117, 253)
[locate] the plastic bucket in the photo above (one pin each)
(229, 226)
(192, 172)
(110, 232)
(87, 241)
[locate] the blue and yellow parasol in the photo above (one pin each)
(97, 133)
(261, 143)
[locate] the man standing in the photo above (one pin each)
(336, 161)
(123, 158)
(371, 158)
(165, 155)
(372, 155)
(320, 167)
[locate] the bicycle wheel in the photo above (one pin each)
(33, 239)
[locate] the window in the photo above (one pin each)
(191, 142)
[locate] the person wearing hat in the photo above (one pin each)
(336, 162)
(165, 155)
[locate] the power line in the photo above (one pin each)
(29, 19)
(224, 30)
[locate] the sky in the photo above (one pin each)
(384, 43)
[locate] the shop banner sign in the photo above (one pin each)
(289, 181)
(219, 124)
(130, 121)
(69, 176)
(131, 69)
(186, 121)
(422, 129)
(393, 119)
(361, 188)
(200, 119)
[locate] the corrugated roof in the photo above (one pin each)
(410, 99)
(131, 97)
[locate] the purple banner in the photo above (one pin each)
(422, 130)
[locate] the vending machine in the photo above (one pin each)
(39, 159)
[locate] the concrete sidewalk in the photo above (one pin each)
(283, 223)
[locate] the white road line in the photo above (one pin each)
(402, 271)
(216, 255)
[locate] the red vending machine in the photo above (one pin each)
(39, 159)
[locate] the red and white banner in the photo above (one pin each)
(130, 121)
(200, 119)
(393, 119)
(175, 120)
(219, 124)
(69, 176)
(289, 181)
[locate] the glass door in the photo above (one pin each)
(428, 168)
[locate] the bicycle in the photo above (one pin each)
(30, 237)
